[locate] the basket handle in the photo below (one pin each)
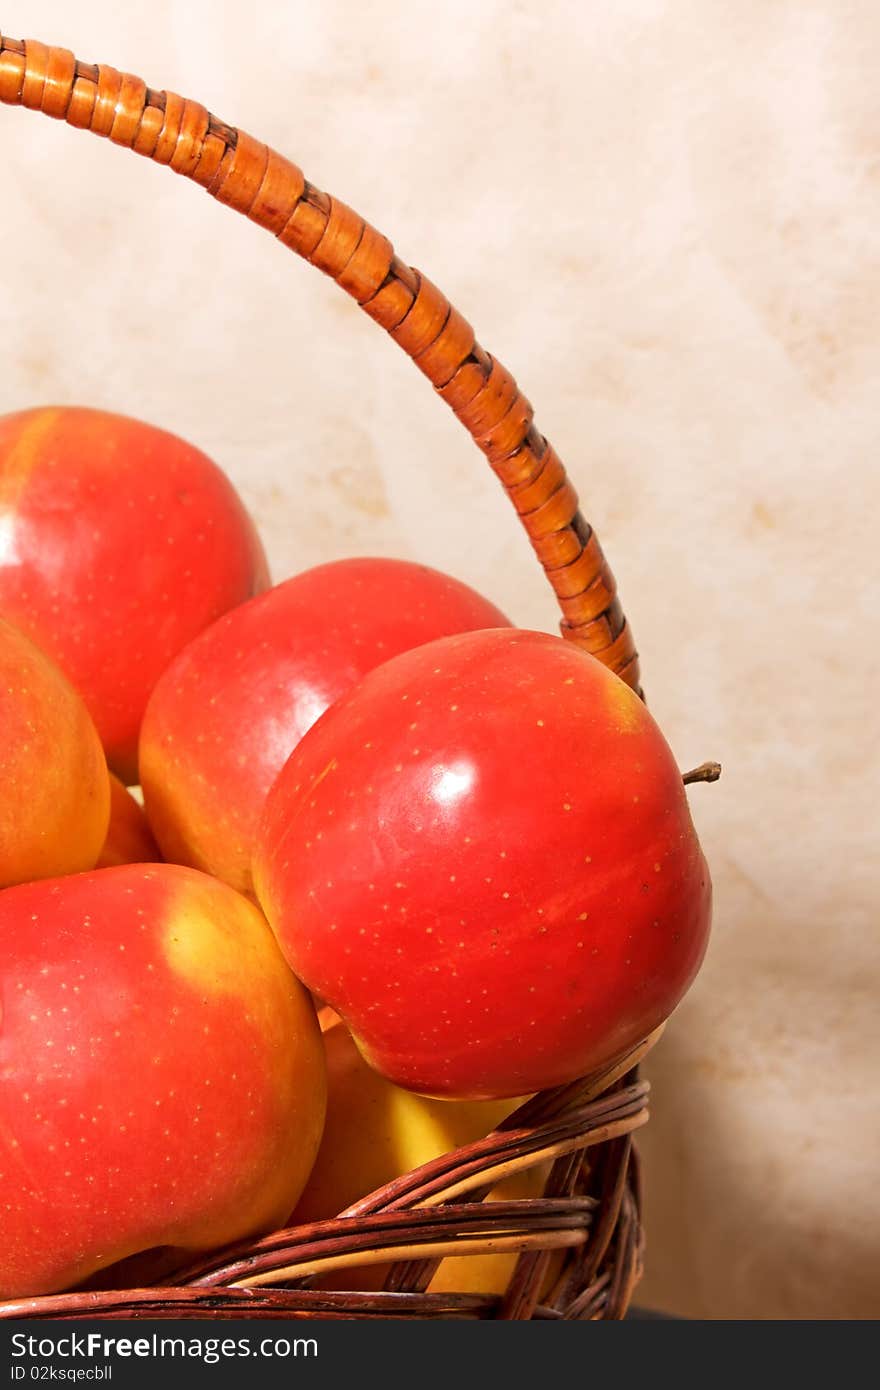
(250, 177)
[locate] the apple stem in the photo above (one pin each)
(706, 772)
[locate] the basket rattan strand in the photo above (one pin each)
(591, 1205)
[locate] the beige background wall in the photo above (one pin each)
(665, 217)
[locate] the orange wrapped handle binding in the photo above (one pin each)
(254, 180)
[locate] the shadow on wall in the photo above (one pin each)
(740, 1225)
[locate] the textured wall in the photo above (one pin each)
(665, 218)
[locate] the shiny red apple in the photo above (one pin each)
(118, 543)
(162, 1079)
(482, 857)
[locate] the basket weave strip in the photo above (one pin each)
(509, 1151)
(249, 1303)
(256, 181)
(623, 1275)
(523, 1290)
(321, 1245)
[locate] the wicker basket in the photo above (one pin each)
(591, 1205)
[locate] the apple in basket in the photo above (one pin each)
(374, 1132)
(129, 837)
(54, 789)
(483, 859)
(234, 703)
(118, 543)
(162, 1078)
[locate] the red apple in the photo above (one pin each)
(230, 709)
(118, 543)
(54, 789)
(162, 1080)
(129, 837)
(483, 859)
